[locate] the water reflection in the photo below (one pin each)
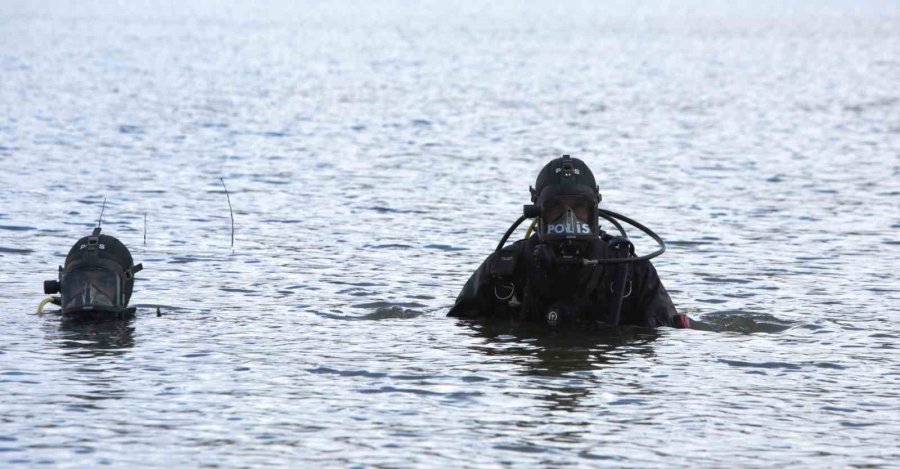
(557, 352)
(573, 359)
(363, 178)
(81, 339)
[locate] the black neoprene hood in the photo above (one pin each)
(99, 250)
(113, 249)
(566, 175)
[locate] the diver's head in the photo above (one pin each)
(98, 275)
(569, 198)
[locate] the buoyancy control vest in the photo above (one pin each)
(531, 283)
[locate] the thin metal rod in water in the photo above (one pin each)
(229, 210)
(102, 209)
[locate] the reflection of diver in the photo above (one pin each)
(570, 271)
(96, 281)
(93, 339)
(558, 353)
(562, 350)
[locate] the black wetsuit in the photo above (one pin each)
(513, 283)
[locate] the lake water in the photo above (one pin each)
(374, 154)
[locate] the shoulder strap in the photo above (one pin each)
(504, 262)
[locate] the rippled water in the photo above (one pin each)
(374, 154)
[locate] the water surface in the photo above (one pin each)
(374, 154)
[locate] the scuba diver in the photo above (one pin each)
(570, 272)
(96, 281)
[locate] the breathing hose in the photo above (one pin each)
(40, 308)
(614, 223)
(509, 232)
(611, 217)
(531, 229)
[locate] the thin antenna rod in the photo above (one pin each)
(145, 228)
(102, 209)
(229, 210)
